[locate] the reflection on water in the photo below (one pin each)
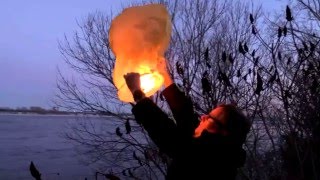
(38, 138)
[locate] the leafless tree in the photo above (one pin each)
(220, 52)
(290, 76)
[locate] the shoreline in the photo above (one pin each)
(52, 114)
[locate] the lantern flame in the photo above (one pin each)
(150, 81)
(138, 38)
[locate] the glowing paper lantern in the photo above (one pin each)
(139, 37)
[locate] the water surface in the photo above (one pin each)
(39, 138)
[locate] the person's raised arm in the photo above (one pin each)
(161, 129)
(181, 107)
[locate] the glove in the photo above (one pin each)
(133, 81)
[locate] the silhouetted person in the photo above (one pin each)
(207, 149)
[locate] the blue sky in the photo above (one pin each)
(28, 45)
(29, 52)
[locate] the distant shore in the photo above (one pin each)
(48, 112)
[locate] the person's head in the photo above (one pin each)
(226, 120)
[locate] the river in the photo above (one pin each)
(39, 138)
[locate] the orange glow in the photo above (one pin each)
(150, 81)
(138, 38)
(210, 125)
(205, 124)
(147, 82)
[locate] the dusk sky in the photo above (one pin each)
(29, 35)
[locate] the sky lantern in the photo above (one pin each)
(138, 37)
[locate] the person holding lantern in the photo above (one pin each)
(209, 148)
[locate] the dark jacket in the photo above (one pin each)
(210, 156)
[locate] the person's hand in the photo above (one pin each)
(162, 67)
(133, 81)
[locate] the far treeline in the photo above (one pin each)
(40, 110)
